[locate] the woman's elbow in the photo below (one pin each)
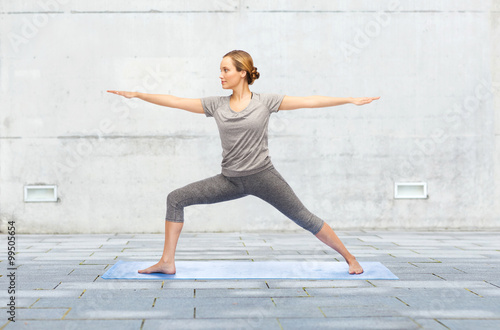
(311, 102)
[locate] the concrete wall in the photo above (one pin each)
(435, 64)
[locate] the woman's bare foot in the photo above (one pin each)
(160, 267)
(354, 267)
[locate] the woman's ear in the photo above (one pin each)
(243, 74)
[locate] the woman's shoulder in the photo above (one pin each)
(215, 99)
(268, 97)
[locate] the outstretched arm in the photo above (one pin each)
(191, 105)
(299, 102)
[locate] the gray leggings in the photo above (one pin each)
(268, 185)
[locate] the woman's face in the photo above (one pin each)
(229, 76)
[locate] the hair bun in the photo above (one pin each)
(255, 74)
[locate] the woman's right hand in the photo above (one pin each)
(128, 95)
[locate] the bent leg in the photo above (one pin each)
(166, 264)
(211, 190)
(208, 191)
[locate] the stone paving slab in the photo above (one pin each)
(79, 324)
(38, 285)
(22, 302)
(357, 312)
(276, 284)
(488, 292)
(385, 323)
(470, 324)
(430, 284)
(430, 324)
(447, 280)
(216, 284)
(81, 312)
(110, 285)
(455, 314)
(249, 322)
(242, 293)
(353, 291)
(41, 313)
(339, 301)
(41, 293)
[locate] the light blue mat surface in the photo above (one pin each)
(235, 270)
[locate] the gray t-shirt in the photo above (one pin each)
(243, 134)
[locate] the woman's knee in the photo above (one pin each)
(173, 198)
(175, 211)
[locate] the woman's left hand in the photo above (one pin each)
(363, 100)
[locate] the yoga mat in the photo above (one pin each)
(236, 270)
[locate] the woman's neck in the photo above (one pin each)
(241, 93)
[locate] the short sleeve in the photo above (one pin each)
(210, 104)
(272, 101)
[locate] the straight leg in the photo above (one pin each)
(270, 186)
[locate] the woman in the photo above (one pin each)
(242, 119)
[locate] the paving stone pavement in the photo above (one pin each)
(448, 280)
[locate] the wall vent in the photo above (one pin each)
(46, 193)
(410, 190)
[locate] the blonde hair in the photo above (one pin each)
(244, 62)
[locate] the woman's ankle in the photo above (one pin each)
(167, 260)
(350, 259)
